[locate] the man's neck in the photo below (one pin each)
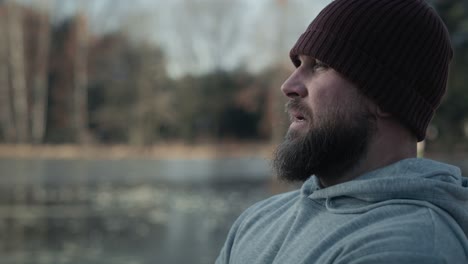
(384, 149)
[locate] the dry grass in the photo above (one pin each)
(163, 151)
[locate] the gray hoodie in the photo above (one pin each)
(413, 211)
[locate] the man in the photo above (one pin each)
(369, 75)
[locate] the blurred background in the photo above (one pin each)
(137, 131)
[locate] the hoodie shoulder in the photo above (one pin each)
(253, 216)
(425, 182)
(406, 233)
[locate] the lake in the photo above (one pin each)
(127, 211)
(124, 211)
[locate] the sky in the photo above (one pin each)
(200, 35)
(263, 33)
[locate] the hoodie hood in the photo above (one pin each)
(416, 181)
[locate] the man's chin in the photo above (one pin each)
(299, 126)
(290, 163)
(327, 151)
(296, 133)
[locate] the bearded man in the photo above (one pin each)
(369, 76)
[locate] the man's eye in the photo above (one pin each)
(320, 65)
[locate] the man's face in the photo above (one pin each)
(330, 124)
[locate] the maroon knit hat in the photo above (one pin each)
(396, 51)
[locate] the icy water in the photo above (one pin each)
(126, 211)
(130, 211)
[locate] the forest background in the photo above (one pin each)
(151, 73)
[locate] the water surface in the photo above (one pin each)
(127, 211)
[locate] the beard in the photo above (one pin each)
(334, 144)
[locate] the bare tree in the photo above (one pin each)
(206, 33)
(101, 14)
(80, 102)
(6, 113)
(17, 71)
(39, 78)
(278, 120)
(148, 78)
(151, 104)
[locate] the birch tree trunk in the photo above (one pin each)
(17, 72)
(80, 82)
(6, 115)
(40, 89)
(279, 120)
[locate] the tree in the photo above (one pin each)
(80, 80)
(17, 72)
(67, 104)
(6, 114)
(130, 100)
(451, 117)
(39, 78)
(152, 107)
(206, 35)
(23, 76)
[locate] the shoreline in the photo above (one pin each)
(168, 151)
(154, 152)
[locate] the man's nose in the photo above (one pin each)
(294, 87)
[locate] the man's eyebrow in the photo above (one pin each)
(319, 61)
(302, 58)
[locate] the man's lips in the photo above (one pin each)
(298, 113)
(296, 116)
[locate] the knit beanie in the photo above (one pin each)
(396, 51)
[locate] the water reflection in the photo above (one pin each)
(90, 212)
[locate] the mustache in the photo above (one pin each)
(297, 105)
